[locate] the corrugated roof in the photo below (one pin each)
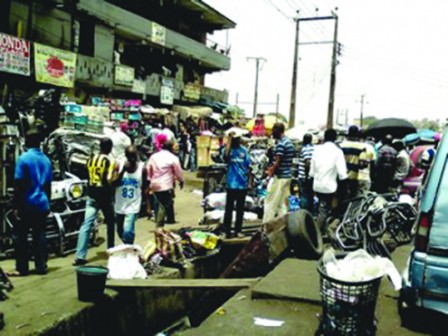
(210, 15)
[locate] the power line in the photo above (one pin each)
(278, 10)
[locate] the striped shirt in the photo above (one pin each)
(306, 153)
(352, 152)
(286, 150)
(100, 168)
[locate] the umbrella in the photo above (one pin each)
(269, 121)
(297, 133)
(396, 127)
(237, 130)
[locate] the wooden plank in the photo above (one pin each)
(183, 283)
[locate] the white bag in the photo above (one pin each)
(124, 264)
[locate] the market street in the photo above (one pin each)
(30, 308)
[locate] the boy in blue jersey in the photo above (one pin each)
(238, 180)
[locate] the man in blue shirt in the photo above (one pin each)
(31, 205)
(279, 187)
(238, 176)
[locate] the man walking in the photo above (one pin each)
(163, 168)
(403, 164)
(101, 169)
(128, 194)
(358, 157)
(305, 181)
(327, 165)
(31, 205)
(278, 189)
(385, 166)
(238, 176)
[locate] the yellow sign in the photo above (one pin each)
(54, 66)
(192, 91)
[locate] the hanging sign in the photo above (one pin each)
(14, 55)
(167, 92)
(192, 91)
(54, 66)
(124, 75)
(158, 33)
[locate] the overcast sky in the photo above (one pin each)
(394, 52)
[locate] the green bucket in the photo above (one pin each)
(91, 282)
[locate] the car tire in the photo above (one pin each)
(304, 235)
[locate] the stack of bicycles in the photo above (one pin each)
(376, 223)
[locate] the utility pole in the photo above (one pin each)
(334, 62)
(257, 70)
(277, 104)
(361, 117)
(292, 107)
(333, 65)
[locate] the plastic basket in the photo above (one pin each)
(348, 307)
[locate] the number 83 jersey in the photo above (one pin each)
(128, 194)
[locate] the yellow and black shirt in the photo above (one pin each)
(101, 169)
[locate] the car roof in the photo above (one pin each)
(435, 175)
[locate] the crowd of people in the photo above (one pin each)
(332, 171)
(118, 182)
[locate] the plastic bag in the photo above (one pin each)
(124, 262)
(205, 240)
(360, 266)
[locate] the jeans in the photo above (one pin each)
(238, 196)
(36, 222)
(126, 227)
(92, 208)
(193, 158)
(306, 194)
(325, 208)
(165, 208)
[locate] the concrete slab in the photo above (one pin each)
(292, 279)
(236, 317)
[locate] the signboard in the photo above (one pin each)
(192, 91)
(54, 66)
(214, 95)
(124, 75)
(14, 55)
(139, 86)
(167, 92)
(158, 33)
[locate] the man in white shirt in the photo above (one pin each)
(327, 165)
(120, 141)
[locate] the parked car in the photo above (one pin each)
(425, 280)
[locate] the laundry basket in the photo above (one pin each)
(348, 307)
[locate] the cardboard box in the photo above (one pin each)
(203, 157)
(203, 141)
(214, 143)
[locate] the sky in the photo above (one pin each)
(394, 52)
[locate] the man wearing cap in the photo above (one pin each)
(280, 172)
(31, 205)
(238, 177)
(120, 141)
(358, 156)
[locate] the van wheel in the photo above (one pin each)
(408, 312)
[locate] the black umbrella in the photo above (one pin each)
(396, 127)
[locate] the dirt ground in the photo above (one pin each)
(38, 301)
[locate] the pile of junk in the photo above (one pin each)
(68, 151)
